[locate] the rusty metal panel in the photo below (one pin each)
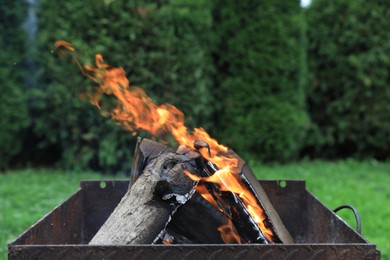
(289, 200)
(63, 225)
(100, 200)
(65, 231)
(223, 252)
(306, 218)
(331, 227)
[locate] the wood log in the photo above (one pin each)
(150, 213)
(272, 217)
(233, 206)
(145, 151)
(147, 207)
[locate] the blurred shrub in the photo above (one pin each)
(160, 44)
(260, 59)
(349, 59)
(13, 108)
(273, 131)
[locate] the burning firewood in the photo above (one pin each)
(237, 197)
(163, 205)
(225, 191)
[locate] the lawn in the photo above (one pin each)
(26, 195)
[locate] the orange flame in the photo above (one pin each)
(166, 242)
(229, 234)
(202, 190)
(229, 180)
(136, 111)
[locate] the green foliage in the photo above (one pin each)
(260, 58)
(161, 46)
(349, 93)
(13, 109)
(272, 132)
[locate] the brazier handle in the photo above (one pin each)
(355, 212)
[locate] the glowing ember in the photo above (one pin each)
(136, 111)
(202, 190)
(228, 180)
(229, 234)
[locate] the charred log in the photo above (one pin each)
(145, 151)
(272, 217)
(228, 208)
(146, 208)
(234, 209)
(198, 221)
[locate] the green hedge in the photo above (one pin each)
(260, 57)
(349, 87)
(236, 68)
(13, 108)
(161, 46)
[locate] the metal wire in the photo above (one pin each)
(355, 212)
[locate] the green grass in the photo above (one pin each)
(25, 196)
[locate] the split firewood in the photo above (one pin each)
(229, 212)
(151, 211)
(145, 151)
(147, 206)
